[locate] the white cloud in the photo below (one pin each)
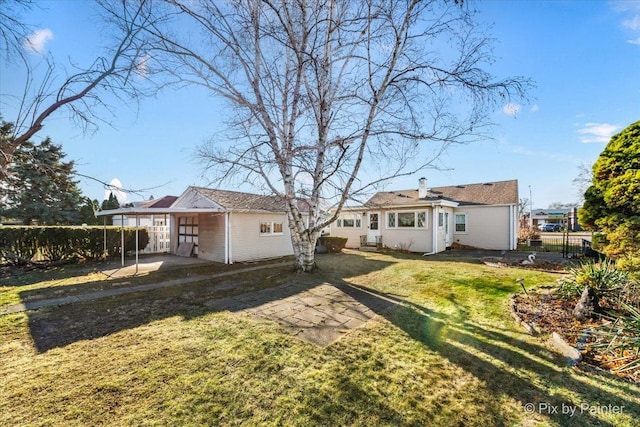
(511, 109)
(37, 40)
(633, 23)
(631, 19)
(636, 41)
(534, 108)
(115, 187)
(597, 132)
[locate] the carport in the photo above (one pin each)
(137, 212)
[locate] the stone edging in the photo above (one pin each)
(519, 320)
(556, 341)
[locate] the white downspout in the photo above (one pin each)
(510, 227)
(514, 226)
(226, 238)
(230, 241)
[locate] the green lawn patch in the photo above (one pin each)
(447, 354)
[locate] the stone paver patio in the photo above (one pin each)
(320, 314)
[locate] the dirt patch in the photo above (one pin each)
(540, 265)
(547, 312)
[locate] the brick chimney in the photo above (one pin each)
(422, 188)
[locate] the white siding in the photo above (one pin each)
(415, 239)
(248, 244)
(211, 237)
(487, 227)
(352, 235)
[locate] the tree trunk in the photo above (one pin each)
(304, 251)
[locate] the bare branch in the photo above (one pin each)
(323, 90)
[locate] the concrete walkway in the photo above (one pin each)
(319, 313)
(90, 296)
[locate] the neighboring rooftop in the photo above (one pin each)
(163, 202)
(488, 193)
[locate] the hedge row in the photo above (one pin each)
(60, 243)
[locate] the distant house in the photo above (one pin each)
(431, 220)
(223, 226)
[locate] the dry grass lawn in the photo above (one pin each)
(451, 355)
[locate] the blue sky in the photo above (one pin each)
(584, 57)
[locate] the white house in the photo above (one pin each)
(224, 226)
(431, 220)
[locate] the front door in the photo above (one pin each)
(447, 230)
(374, 227)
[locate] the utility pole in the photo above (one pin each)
(531, 208)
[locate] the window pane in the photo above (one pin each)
(358, 223)
(265, 227)
(339, 224)
(406, 219)
(348, 222)
(422, 219)
(373, 221)
(461, 223)
(392, 220)
(277, 227)
(440, 219)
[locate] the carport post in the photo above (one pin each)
(137, 223)
(122, 237)
(104, 236)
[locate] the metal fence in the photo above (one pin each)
(569, 246)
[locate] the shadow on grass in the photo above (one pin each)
(58, 326)
(506, 366)
(485, 353)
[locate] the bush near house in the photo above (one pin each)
(527, 232)
(64, 243)
(334, 244)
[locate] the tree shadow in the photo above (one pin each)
(507, 366)
(61, 325)
(486, 354)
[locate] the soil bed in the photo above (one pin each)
(548, 312)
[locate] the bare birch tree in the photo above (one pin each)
(322, 89)
(83, 92)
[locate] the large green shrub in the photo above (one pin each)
(333, 243)
(612, 202)
(59, 243)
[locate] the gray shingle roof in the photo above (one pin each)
(236, 200)
(489, 193)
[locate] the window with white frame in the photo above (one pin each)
(271, 228)
(407, 219)
(461, 223)
(440, 219)
(349, 221)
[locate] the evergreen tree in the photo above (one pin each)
(108, 204)
(612, 202)
(41, 188)
(88, 212)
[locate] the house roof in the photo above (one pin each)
(163, 202)
(488, 193)
(236, 200)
